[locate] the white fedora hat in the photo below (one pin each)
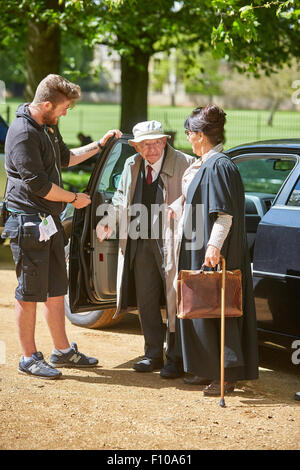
(147, 130)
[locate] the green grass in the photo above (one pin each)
(75, 181)
(242, 125)
(95, 119)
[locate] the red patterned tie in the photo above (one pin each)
(149, 174)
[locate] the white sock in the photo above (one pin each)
(27, 358)
(64, 351)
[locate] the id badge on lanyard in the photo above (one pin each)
(47, 228)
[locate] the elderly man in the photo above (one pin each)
(151, 180)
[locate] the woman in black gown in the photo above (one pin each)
(214, 183)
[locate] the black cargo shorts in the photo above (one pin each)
(40, 266)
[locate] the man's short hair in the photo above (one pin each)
(55, 89)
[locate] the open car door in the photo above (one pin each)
(93, 265)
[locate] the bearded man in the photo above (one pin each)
(35, 153)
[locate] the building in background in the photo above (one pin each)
(171, 83)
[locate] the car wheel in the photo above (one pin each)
(90, 319)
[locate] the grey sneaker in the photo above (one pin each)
(38, 367)
(73, 358)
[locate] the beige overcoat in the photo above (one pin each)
(175, 164)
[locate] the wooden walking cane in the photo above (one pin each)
(222, 401)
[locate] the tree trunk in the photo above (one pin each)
(273, 111)
(43, 51)
(134, 90)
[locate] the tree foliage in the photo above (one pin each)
(258, 35)
(250, 34)
(254, 36)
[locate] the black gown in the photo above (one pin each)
(219, 188)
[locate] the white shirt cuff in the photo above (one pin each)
(220, 230)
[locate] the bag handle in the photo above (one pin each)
(221, 266)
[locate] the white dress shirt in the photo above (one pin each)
(156, 167)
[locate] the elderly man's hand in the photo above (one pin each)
(103, 232)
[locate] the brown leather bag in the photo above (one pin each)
(199, 293)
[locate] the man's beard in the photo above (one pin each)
(49, 118)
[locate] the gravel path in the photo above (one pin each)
(113, 407)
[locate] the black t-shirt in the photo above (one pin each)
(34, 156)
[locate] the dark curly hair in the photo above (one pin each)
(210, 120)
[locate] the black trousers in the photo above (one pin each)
(150, 288)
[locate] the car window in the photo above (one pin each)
(294, 199)
(112, 170)
(264, 175)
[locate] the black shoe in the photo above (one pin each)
(172, 370)
(195, 380)
(148, 364)
(297, 396)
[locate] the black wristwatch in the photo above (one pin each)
(99, 144)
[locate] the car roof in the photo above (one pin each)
(277, 145)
